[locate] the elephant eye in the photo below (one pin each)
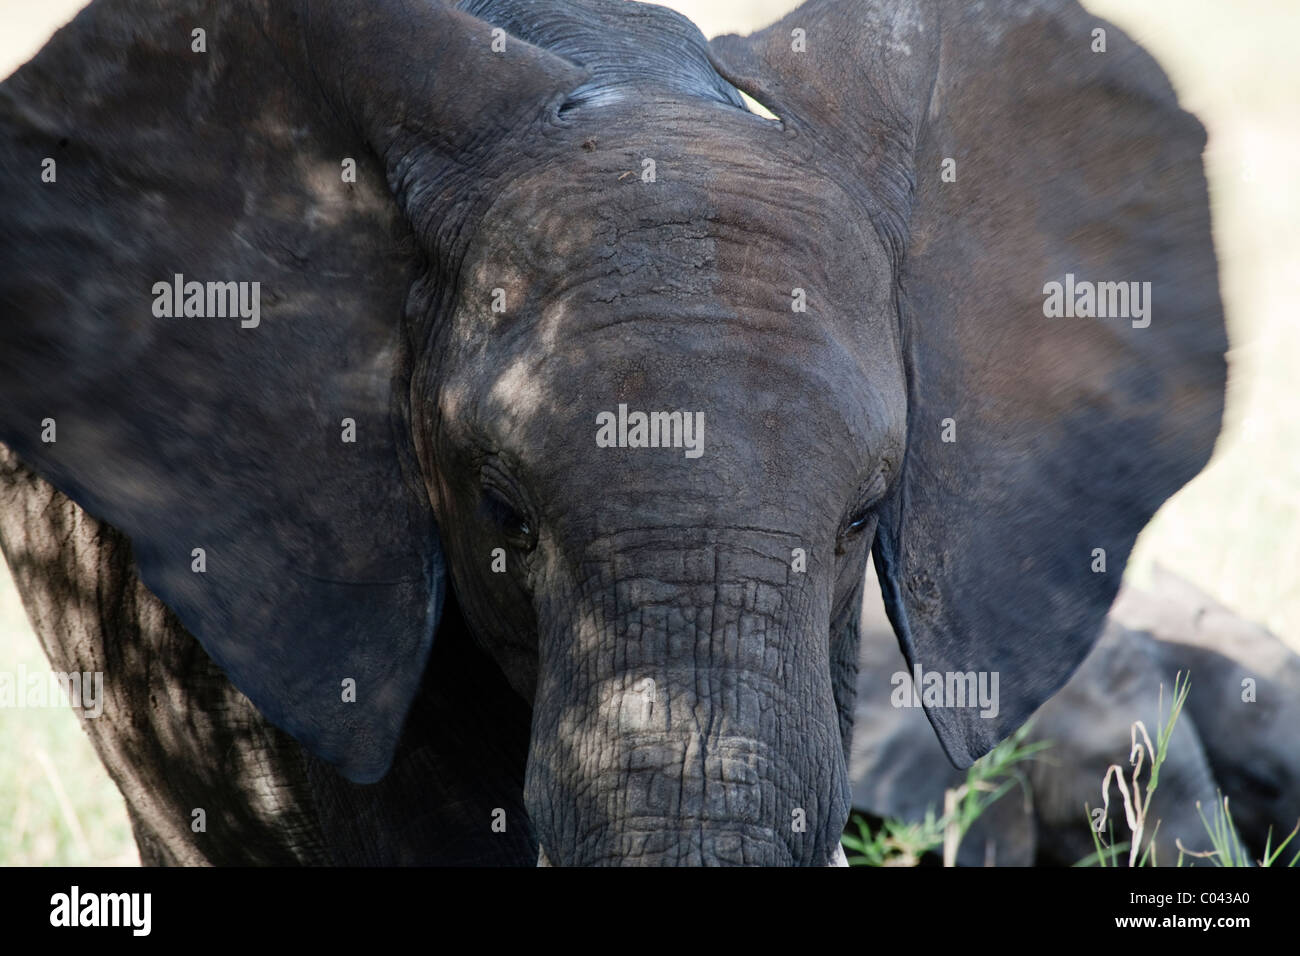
(518, 529)
(863, 518)
(858, 522)
(861, 521)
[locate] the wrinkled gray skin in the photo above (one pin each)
(1245, 750)
(730, 580)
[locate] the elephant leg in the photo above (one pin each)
(455, 793)
(176, 736)
(206, 779)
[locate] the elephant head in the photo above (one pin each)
(341, 309)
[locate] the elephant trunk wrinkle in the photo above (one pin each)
(688, 720)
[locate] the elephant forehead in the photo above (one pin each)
(689, 204)
(675, 403)
(721, 277)
(738, 352)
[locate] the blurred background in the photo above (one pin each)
(1234, 531)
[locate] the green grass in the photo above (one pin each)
(1136, 807)
(902, 843)
(1227, 849)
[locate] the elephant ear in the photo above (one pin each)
(249, 433)
(998, 148)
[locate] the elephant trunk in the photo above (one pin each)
(684, 713)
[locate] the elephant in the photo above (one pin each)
(459, 431)
(1228, 740)
(1246, 706)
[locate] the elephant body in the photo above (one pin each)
(1245, 701)
(1151, 636)
(410, 558)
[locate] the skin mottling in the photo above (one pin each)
(520, 391)
(496, 581)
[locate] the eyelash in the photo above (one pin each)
(871, 494)
(514, 519)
